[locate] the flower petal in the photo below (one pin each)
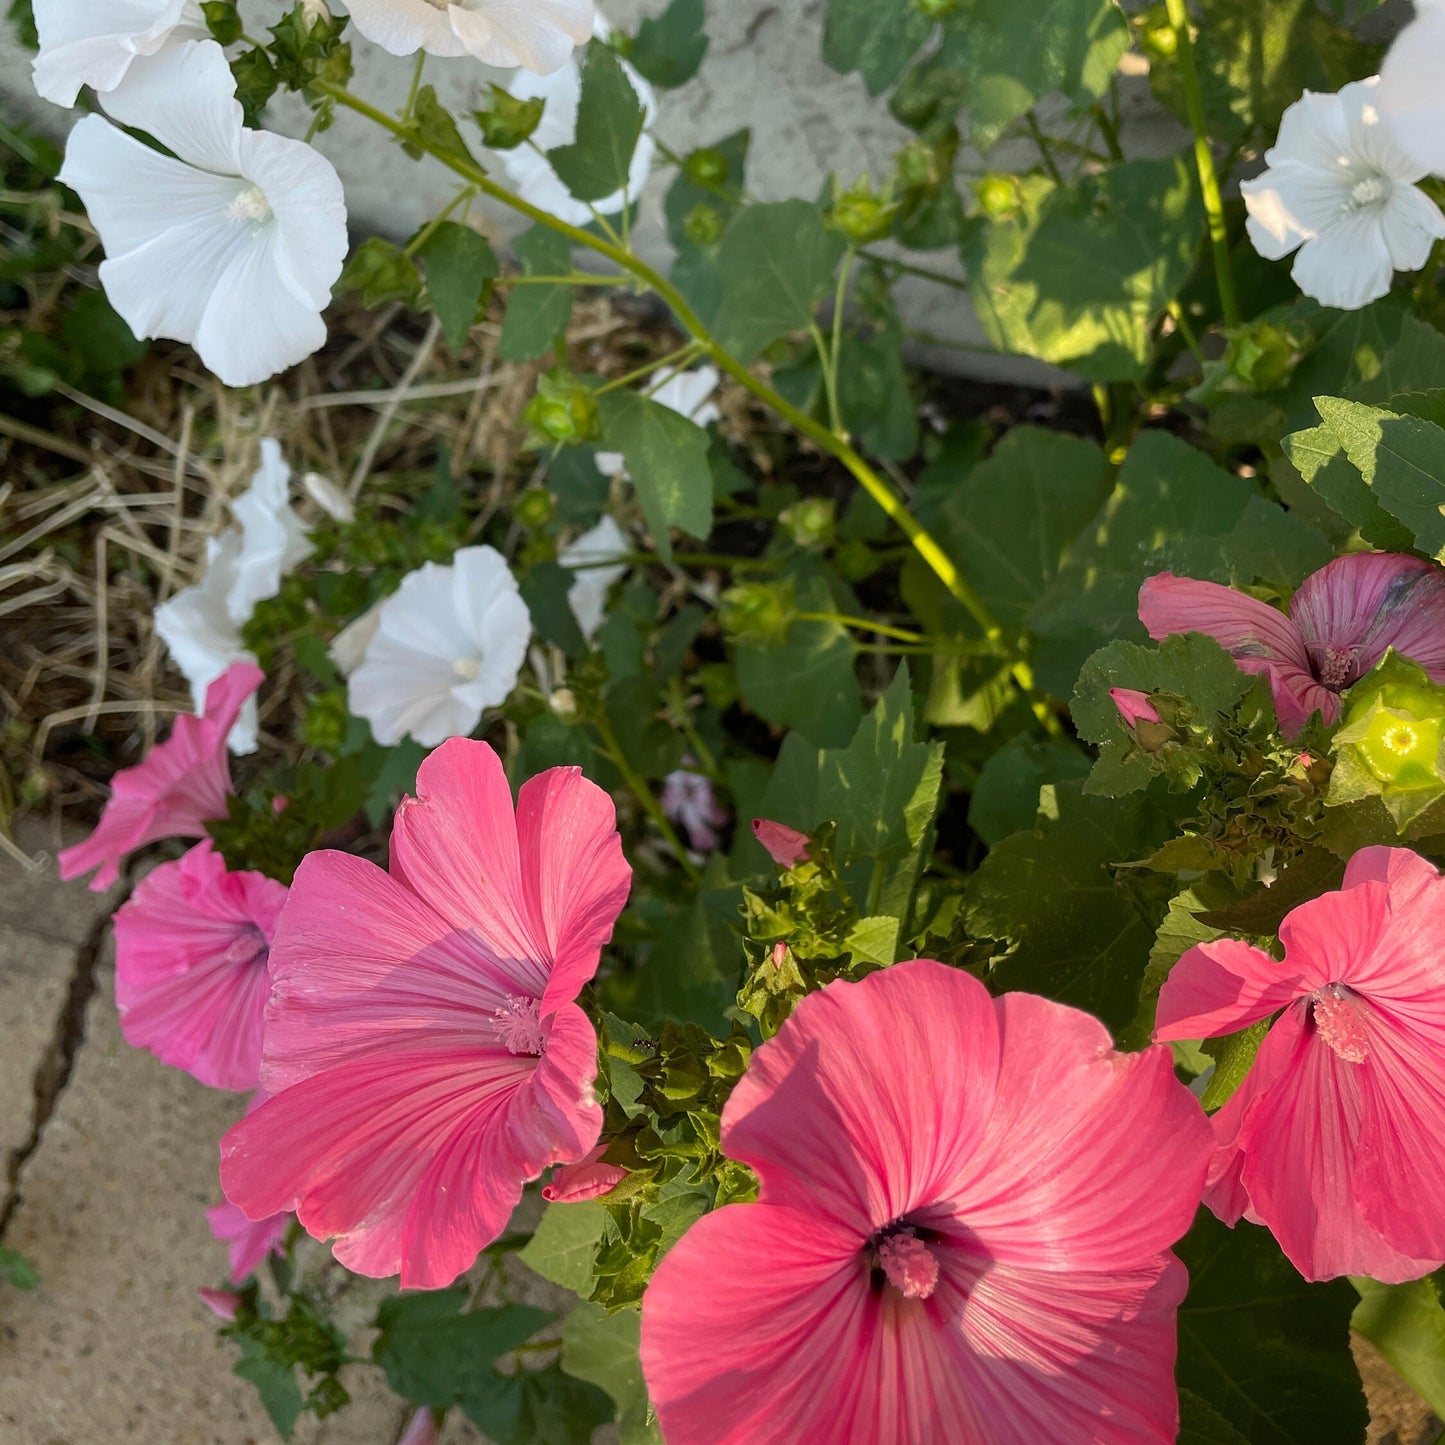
(872, 1096)
(1348, 264)
(1222, 987)
(402, 27)
(539, 35)
(1410, 94)
(1412, 224)
(93, 42)
(1092, 1160)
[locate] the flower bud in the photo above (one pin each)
(997, 195)
(811, 522)
(707, 167)
(860, 213)
(1156, 34)
(223, 1303)
(757, 609)
(786, 846)
(704, 225)
(422, 1430)
(315, 12)
(589, 1178)
(507, 121)
(1134, 706)
(329, 497)
(563, 410)
(535, 508)
(563, 704)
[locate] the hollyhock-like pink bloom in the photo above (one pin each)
(1341, 623)
(424, 1048)
(191, 976)
(786, 846)
(589, 1178)
(1134, 706)
(1333, 1139)
(175, 790)
(223, 1303)
(962, 1231)
(248, 1241)
(687, 799)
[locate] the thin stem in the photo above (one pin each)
(576, 278)
(830, 378)
(835, 355)
(1108, 128)
(639, 788)
(677, 358)
(1204, 164)
(1181, 322)
(1046, 154)
(863, 624)
(907, 268)
(429, 230)
(412, 94)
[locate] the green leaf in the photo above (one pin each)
(433, 126)
(16, 1270)
(459, 262)
(1076, 933)
(1270, 1352)
(1015, 55)
(537, 1407)
(563, 1246)
(1006, 795)
(1080, 276)
(1271, 545)
(609, 122)
(275, 1384)
(668, 51)
(877, 38)
(1321, 461)
(1402, 460)
(873, 394)
(775, 264)
(381, 272)
(435, 1354)
(603, 1348)
(1406, 1323)
(544, 589)
(508, 120)
(874, 940)
(667, 459)
(537, 315)
(1201, 1424)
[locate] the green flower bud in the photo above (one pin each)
(860, 213)
(997, 195)
(325, 722)
(811, 523)
(707, 167)
(704, 225)
(563, 410)
(535, 508)
(917, 167)
(1156, 35)
(937, 9)
(762, 610)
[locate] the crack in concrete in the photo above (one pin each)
(57, 1064)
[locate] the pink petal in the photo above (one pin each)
(223, 1303)
(1092, 1160)
(1134, 706)
(422, 1430)
(1336, 938)
(250, 1241)
(174, 791)
(191, 966)
(871, 1095)
(786, 846)
(1222, 987)
(1362, 604)
(1302, 1155)
(1258, 637)
(588, 1179)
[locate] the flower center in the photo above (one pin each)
(909, 1264)
(1400, 740)
(520, 1026)
(1368, 191)
(248, 948)
(1339, 1022)
(1334, 665)
(469, 669)
(250, 205)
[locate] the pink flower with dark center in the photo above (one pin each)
(962, 1231)
(1134, 706)
(786, 846)
(1341, 623)
(424, 1048)
(588, 1179)
(687, 799)
(1334, 1138)
(191, 976)
(175, 790)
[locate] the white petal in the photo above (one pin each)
(1412, 97)
(93, 42)
(184, 96)
(503, 636)
(1347, 265)
(348, 647)
(587, 595)
(401, 693)
(539, 35)
(1313, 132)
(402, 27)
(274, 536)
(689, 393)
(329, 497)
(1412, 223)
(610, 464)
(1289, 204)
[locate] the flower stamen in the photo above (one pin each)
(1339, 1022)
(520, 1026)
(911, 1267)
(250, 205)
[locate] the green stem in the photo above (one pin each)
(882, 493)
(1181, 323)
(411, 94)
(577, 278)
(429, 230)
(835, 354)
(1204, 164)
(638, 785)
(863, 624)
(830, 378)
(680, 357)
(1046, 154)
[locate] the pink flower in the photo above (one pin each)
(423, 1042)
(175, 790)
(1340, 624)
(1134, 706)
(1334, 1138)
(223, 1303)
(250, 1241)
(687, 799)
(588, 1179)
(786, 846)
(191, 976)
(961, 1235)
(422, 1430)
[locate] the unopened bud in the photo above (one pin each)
(563, 704)
(787, 847)
(1134, 706)
(997, 195)
(329, 497)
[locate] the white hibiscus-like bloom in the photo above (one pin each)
(1412, 98)
(1341, 192)
(593, 560)
(201, 625)
(231, 243)
(95, 42)
(448, 644)
(527, 166)
(539, 35)
(688, 393)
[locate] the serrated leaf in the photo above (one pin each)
(1006, 796)
(432, 124)
(565, 1241)
(668, 50)
(877, 38)
(874, 940)
(603, 1348)
(609, 122)
(1406, 1323)
(775, 264)
(275, 1384)
(537, 315)
(459, 262)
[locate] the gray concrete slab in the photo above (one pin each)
(34, 982)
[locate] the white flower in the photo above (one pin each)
(1341, 192)
(449, 644)
(329, 497)
(688, 393)
(201, 625)
(1412, 97)
(587, 595)
(232, 243)
(94, 42)
(531, 173)
(348, 647)
(537, 34)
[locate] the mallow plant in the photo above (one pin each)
(930, 929)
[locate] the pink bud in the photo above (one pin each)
(1134, 706)
(780, 952)
(786, 846)
(222, 1303)
(587, 1179)
(280, 803)
(422, 1430)
(1304, 762)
